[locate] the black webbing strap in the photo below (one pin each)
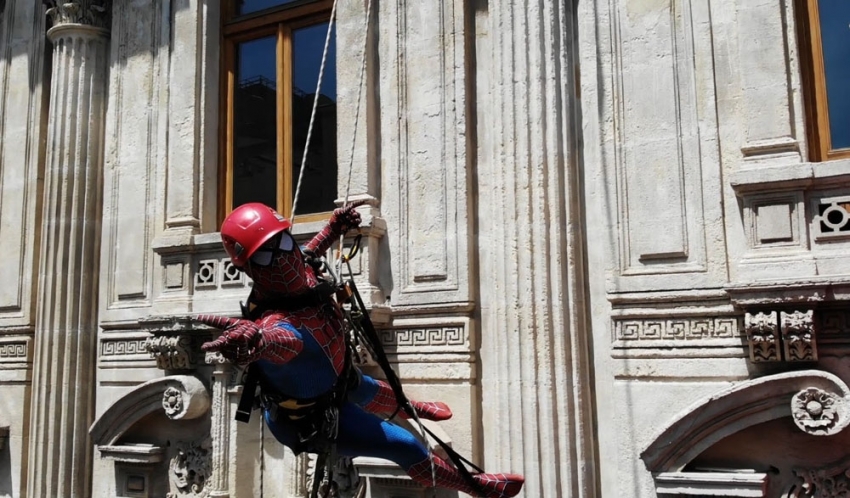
(368, 329)
(249, 392)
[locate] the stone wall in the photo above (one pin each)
(712, 266)
(591, 228)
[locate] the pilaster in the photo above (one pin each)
(220, 427)
(536, 384)
(60, 450)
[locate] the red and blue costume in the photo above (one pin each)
(295, 337)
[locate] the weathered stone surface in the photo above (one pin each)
(590, 227)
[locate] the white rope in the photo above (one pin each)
(359, 99)
(356, 124)
(315, 106)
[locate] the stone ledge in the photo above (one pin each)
(809, 291)
(730, 483)
(791, 176)
(132, 453)
(173, 242)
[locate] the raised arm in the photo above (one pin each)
(342, 220)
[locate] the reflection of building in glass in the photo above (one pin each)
(255, 151)
(255, 141)
(319, 185)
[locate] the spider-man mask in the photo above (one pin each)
(278, 267)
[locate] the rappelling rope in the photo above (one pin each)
(356, 127)
(342, 258)
(315, 107)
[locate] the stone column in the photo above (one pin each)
(63, 385)
(536, 365)
(220, 428)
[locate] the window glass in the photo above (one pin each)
(835, 36)
(244, 7)
(255, 123)
(319, 185)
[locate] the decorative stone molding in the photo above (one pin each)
(763, 336)
(676, 329)
(731, 484)
(123, 347)
(16, 351)
(817, 412)
(832, 481)
(833, 219)
(189, 469)
(220, 427)
(95, 13)
(172, 402)
(438, 336)
(363, 357)
(132, 453)
(182, 397)
(781, 335)
(816, 400)
(172, 352)
(175, 341)
(346, 480)
(798, 335)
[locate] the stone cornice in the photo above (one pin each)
(94, 13)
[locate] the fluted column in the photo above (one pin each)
(60, 451)
(536, 378)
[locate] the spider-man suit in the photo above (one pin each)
(297, 341)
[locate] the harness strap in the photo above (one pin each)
(371, 335)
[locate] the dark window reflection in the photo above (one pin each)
(318, 187)
(244, 7)
(835, 35)
(255, 125)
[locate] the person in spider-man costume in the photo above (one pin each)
(296, 336)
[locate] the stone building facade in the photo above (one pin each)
(610, 234)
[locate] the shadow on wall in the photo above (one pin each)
(5, 468)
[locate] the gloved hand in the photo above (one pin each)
(242, 341)
(346, 218)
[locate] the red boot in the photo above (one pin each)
(429, 410)
(385, 402)
(447, 476)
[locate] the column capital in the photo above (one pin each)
(91, 13)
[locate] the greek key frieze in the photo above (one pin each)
(678, 329)
(425, 337)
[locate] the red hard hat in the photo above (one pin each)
(248, 227)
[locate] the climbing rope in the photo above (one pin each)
(342, 258)
(315, 107)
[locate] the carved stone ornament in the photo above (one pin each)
(171, 352)
(172, 401)
(363, 357)
(816, 411)
(346, 480)
(189, 470)
(832, 481)
(798, 336)
(763, 336)
(94, 13)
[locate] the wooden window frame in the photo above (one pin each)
(814, 83)
(280, 21)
